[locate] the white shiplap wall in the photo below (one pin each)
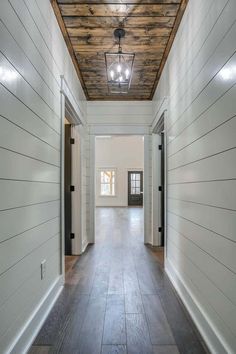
(199, 81)
(33, 55)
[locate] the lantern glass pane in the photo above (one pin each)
(119, 68)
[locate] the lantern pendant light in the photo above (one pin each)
(119, 67)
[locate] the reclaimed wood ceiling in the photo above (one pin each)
(88, 27)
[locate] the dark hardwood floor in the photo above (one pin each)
(117, 298)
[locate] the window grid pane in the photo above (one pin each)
(107, 182)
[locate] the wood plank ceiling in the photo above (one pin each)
(88, 27)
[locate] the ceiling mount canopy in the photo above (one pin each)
(119, 67)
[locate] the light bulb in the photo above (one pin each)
(112, 74)
(127, 73)
(119, 68)
(120, 78)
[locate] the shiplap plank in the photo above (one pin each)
(43, 16)
(26, 144)
(223, 278)
(222, 331)
(220, 139)
(217, 167)
(16, 84)
(16, 56)
(30, 48)
(18, 167)
(218, 247)
(22, 271)
(19, 114)
(216, 49)
(199, 18)
(220, 303)
(15, 249)
(18, 308)
(26, 218)
(224, 109)
(216, 88)
(221, 194)
(217, 220)
(15, 194)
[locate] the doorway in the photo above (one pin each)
(135, 188)
(119, 165)
(67, 189)
(159, 184)
(162, 189)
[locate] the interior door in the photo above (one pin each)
(135, 188)
(67, 190)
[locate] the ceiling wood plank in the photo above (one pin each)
(114, 22)
(88, 27)
(118, 2)
(107, 42)
(129, 32)
(101, 10)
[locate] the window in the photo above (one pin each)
(107, 182)
(135, 183)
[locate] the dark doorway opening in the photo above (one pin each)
(162, 190)
(67, 189)
(135, 188)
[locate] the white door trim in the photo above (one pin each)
(161, 114)
(146, 182)
(74, 115)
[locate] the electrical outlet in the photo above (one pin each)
(43, 268)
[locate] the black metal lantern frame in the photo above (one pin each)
(119, 68)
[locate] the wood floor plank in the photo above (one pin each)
(138, 340)
(181, 325)
(39, 350)
(90, 337)
(69, 341)
(57, 319)
(114, 327)
(114, 349)
(160, 332)
(165, 349)
(117, 298)
(133, 303)
(116, 282)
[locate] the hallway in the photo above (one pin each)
(117, 298)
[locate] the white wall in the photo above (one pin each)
(122, 153)
(33, 55)
(121, 113)
(199, 83)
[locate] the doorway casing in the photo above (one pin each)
(159, 125)
(122, 130)
(70, 110)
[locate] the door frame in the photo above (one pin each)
(159, 124)
(122, 130)
(69, 109)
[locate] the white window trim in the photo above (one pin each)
(115, 184)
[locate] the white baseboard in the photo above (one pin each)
(25, 338)
(210, 337)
